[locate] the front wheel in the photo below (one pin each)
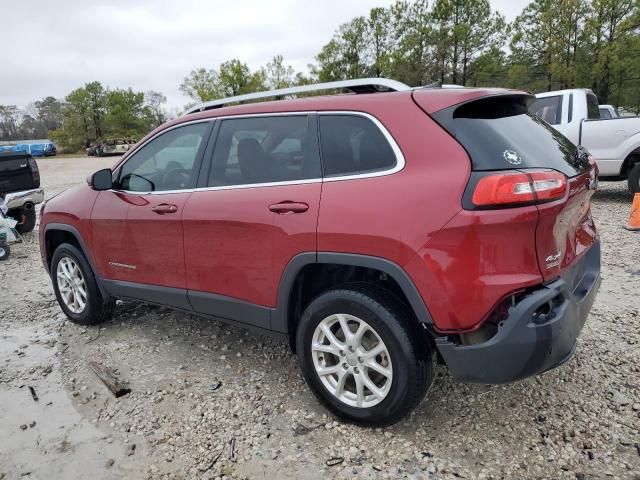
(364, 356)
(76, 288)
(634, 179)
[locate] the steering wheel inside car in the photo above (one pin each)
(176, 178)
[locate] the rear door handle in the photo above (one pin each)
(164, 208)
(287, 207)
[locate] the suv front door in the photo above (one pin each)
(137, 231)
(259, 209)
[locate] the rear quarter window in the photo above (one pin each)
(353, 144)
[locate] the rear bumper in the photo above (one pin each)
(19, 199)
(525, 343)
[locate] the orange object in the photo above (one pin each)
(634, 219)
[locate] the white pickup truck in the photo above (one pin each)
(614, 142)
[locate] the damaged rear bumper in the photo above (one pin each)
(526, 342)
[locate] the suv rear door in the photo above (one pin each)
(256, 210)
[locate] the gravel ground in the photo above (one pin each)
(210, 401)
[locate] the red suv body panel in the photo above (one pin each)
(235, 246)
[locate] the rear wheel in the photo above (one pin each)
(4, 251)
(634, 178)
(26, 218)
(76, 288)
(364, 356)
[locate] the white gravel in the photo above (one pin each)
(580, 421)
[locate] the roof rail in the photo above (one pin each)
(359, 85)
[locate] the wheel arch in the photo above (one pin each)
(56, 234)
(630, 160)
(290, 298)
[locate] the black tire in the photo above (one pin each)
(5, 251)
(97, 308)
(26, 217)
(408, 345)
(634, 179)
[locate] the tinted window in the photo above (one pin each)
(352, 144)
(593, 109)
(549, 109)
(499, 133)
(604, 113)
(263, 150)
(166, 162)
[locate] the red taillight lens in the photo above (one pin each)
(514, 188)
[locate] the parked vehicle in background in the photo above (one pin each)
(111, 146)
(269, 214)
(607, 111)
(615, 142)
(20, 188)
(36, 149)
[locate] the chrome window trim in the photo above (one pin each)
(400, 160)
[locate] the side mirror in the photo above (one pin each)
(102, 179)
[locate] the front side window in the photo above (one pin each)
(165, 163)
(548, 108)
(352, 144)
(263, 150)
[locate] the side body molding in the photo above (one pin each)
(279, 318)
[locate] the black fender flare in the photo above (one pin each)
(279, 319)
(83, 248)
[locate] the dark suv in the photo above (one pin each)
(378, 231)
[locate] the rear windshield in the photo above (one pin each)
(500, 133)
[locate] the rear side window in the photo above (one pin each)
(549, 109)
(263, 150)
(352, 144)
(593, 109)
(499, 133)
(605, 114)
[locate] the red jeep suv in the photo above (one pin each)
(379, 231)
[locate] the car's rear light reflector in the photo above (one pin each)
(517, 188)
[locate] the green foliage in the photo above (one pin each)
(93, 113)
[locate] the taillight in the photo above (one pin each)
(517, 188)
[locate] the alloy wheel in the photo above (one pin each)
(351, 360)
(71, 285)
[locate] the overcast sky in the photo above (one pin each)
(51, 47)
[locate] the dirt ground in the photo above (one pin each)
(211, 401)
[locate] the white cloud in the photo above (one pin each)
(153, 45)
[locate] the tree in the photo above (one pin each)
(9, 122)
(155, 101)
(610, 23)
(126, 113)
(344, 56)
(279, 75)
(201, 85)
(49, 113)
(236, 79)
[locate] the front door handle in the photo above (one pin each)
(285, 208)
(164, 208)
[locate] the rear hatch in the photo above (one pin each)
(18, 172)
(519, 160)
